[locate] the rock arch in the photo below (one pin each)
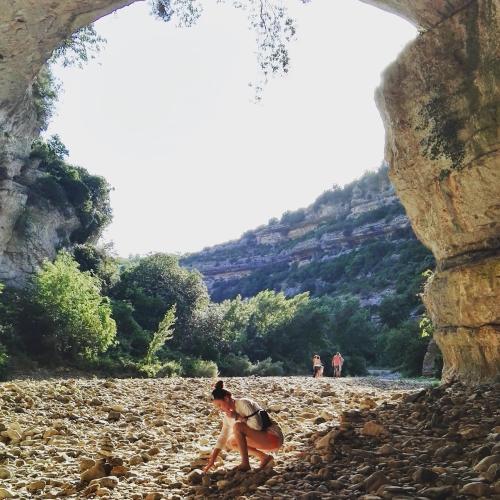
(440, 105)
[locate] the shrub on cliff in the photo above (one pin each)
(64, 184)
(69, 315)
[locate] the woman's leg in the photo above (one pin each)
(248, 438)
(263, 458)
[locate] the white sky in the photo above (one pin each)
(166, 115)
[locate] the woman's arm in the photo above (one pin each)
(211, 459)
(221, 442)
(224, 434)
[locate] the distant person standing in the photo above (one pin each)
(317, 366)
(337, 362)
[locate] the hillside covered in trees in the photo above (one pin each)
(353, 241)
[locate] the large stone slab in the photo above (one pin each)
(471, 355)
(465, 295)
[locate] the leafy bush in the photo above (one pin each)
(355, 366)
(111, 365)
(4, 358)
(268, 368)
(45, 90)
(170, 369)
(66, 184)
(293, 217)
(150, 370)
(198, 368)
(70, 315)
(50, 189)
(236, 365)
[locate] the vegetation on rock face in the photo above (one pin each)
(45, 91)
(65, 185)
(78, 49)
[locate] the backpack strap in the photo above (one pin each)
(254, 413)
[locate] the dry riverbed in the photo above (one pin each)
(135, 439)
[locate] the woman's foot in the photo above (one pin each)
(267, 460)
(242, 467)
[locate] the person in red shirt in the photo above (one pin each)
(337, 362)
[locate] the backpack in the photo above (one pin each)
(265, 418)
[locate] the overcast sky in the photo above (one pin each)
(167, 116)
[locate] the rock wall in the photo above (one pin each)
(29, 32)
(440, 104)
(441, 107)
(317, 237)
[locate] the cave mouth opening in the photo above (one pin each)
(439, 103)
(209, 107)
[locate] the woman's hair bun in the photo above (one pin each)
(219, 392)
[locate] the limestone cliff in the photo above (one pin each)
(31, 229)
(441, 107)
(340, 223)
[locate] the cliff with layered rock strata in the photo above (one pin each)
(347, 242)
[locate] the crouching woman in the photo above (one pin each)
(246, 427)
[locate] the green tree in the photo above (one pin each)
(164, 332)
(350, 328)
(132, 339)
(99, 263)
(155, 284)
(272, 314)
(66, 185)
(72, 317)
(403, 348)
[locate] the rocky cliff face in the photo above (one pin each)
(440, 105)
(337, 223)
(29, 31)
(32, 229)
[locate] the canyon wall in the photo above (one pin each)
(440, 104)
